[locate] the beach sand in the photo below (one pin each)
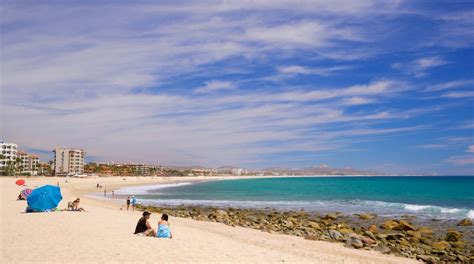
(104, 233)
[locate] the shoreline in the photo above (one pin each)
(445, 212)
(103, 234)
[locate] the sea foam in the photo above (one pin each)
(143, 190)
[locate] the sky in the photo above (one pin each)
(374, 85)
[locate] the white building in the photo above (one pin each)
(68, 161)
(28, 163)
(8, 152)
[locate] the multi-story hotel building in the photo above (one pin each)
(28, 163)
(68, 161)
(8, 153)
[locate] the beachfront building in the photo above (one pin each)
(8, 153)
(68, 161)
(140, 169)
(27, 163)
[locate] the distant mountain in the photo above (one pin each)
(321, 169)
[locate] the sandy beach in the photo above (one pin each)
(104, 233)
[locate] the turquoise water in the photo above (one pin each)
(440, 197)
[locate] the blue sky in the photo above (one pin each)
(379, 85)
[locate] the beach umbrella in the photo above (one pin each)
(20, 182)
(25, 193)
(44, 198)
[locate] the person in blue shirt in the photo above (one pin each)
(133, 202)
(164, 230)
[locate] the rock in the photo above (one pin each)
(458, 244)
(441, 245)
(389, 224)
(313, 225)
(370, 234)
(354, 242)
(425, 241)
(368, 241)
(395, 236)
(427, 258)
(416, 234)
(382, 249)
(447, 258)
(463, 259)
(252, 218)
(311, 237)
(366, 216)
(220, 214)
(404, 242)
(330, 217)
(465, 222)
(419, 251)
(326, 222)
(425, 231)
(453, 235)
(346, 230)
(373, 229)
(287, 224)
(336, 235)
(403, 226)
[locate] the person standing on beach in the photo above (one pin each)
(113, 194)
(97, 186)
(133, 202)
(128, 202)
(105, 192)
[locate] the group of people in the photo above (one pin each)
(144, 227)
(131, 201)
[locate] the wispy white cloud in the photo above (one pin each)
(296, 69)
(358, 100)
(462, 160)
(470, 149)
(419, 67)
(459, 94)
(430, 146)
(215, 85)
(450, 85)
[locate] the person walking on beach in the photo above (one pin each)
(144, 227)
(113, 194)
(164, 230)
(97, 186)
(105, 192)
(133, 202)
(128, 202)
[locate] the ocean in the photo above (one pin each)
(440, 197)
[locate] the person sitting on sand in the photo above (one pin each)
(74, 206)
(144, 227)
(164, 230)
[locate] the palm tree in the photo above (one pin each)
(19, 166)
